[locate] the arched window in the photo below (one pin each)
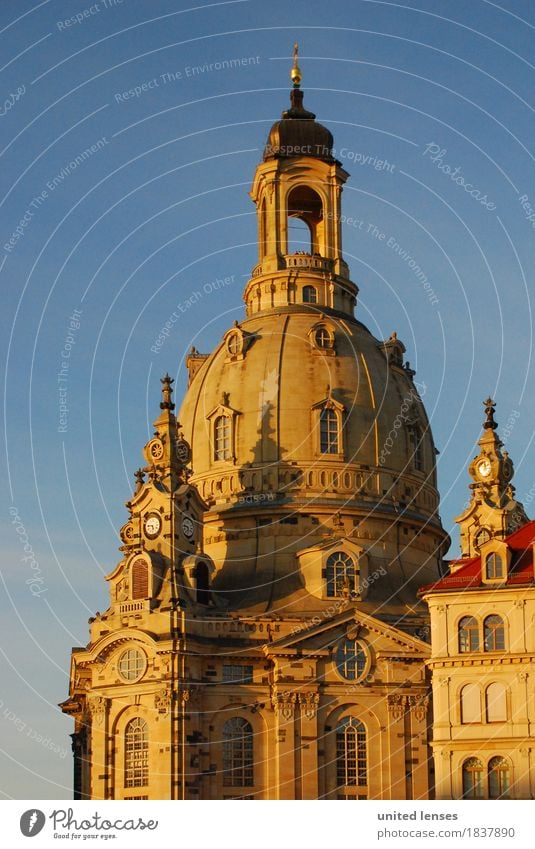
(140, 578)
(340, 574)
(351, 659)
(470, 703)
(473, 779)
(329, 432)
(493, 566)
(222, 447)
(496, 703)
(305, 210)
(202, 582)
(416, 447)
(468, 634)
(494, 633)
(310, 295)
(499, 778)
(237, 753)
(136, 753)
(351, 756)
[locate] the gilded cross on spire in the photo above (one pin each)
(295, 74)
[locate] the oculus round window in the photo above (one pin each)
(132, 664)
(352, 660)
(323, 338)
(234, 344)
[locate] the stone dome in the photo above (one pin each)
(271, 378)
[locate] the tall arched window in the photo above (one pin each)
(493, 566)
(305, 208)
(340, 574)
(351, 757)
(202, 581)
(499, 778)
(470, 703)
(310, 295)
(237, 753)
(496, 703)
(329, 431)
(136, 753)
(468, 634)
(416, 447)
(351, 659)
(222, 446)
(494, 633)
(473, 779)
(140, 578)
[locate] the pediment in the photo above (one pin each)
(334, 544)
(319, 638)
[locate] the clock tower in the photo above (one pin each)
(493, 510)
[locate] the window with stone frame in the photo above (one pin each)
(329, 431)
(340, 575)
(222, 438)
(494, 633)
(473, 777)
(351, 758)
(136, 753)
(237, 753)
(468, 634)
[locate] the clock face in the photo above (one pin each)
(188, 528)
(153, 525)
(484, 468)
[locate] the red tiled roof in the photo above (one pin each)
(469, 575)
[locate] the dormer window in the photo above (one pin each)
(340, 575)
(223, 430)
(323, 338)
(495, 560)
(222, 441)
(329, 428)
(494, 568)
(234, 344)
(327, 424)
(416, 447)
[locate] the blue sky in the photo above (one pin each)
(117, 206)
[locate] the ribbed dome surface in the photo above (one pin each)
(299, 134)
(277, 386)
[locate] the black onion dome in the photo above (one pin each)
(298, 134)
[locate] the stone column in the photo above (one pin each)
(284, 705)
(394, 785)
(308, 703)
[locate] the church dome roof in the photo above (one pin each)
(290, 366)
(299, 134)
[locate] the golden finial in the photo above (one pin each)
(295, 74)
